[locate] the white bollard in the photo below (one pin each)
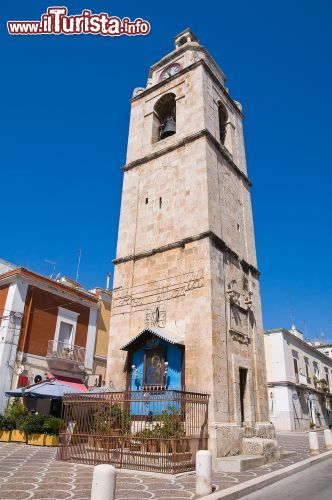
(103, 482)
(313, 443)
(203, 472)
(328, 439)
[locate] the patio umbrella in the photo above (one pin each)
(52, 389)
(18, 393)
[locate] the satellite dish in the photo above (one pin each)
(38, 378)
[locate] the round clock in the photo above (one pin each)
(171, 70)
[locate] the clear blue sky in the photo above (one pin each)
(64, 122)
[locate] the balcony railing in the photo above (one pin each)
(64, 351)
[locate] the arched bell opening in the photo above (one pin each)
(223, 119)
(164, 117)
(182, 41)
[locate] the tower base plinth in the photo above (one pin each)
(228, 439)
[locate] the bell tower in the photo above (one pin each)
(186, 266)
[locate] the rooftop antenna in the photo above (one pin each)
(51, 264)
(78, 264)
(305, 328)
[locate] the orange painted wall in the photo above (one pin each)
(3, 297)
(39, 326)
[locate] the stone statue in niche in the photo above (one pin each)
(156, 317)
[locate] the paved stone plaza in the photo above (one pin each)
(33, 472)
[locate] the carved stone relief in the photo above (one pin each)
(143, 295)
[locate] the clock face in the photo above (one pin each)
(171, 70)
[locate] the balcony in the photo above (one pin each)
(63, 356)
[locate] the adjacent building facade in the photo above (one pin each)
(50, 328)
(186, 309)
(102, 336)
(299, 381)
(322, 347)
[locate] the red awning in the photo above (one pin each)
(72, 382)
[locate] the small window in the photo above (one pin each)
(160, 202)
(296, 370)
(222, 115)
(307, 371)
(146, 201)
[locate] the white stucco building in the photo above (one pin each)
(299, 381)
(324, 348)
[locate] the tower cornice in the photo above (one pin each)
(203, 63)
(216, 241)
(182, 142)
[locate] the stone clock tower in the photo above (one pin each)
(186, 261)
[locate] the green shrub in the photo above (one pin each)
(16, 412)
(111, 418)
(6, 424)
(53, 425)
(171, 425)
(33, 424)
(39, 423)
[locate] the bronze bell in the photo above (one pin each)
(169, 128)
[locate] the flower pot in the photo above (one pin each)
(51, 440)
(18, 436)
(36, 439)
(5, 436)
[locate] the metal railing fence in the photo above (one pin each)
(155, 430)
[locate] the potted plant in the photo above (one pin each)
(68, 351)
(52, 426)
(323, 385)
(17, 412)
(111, 424)
(6, 427)
(166, 435)
(33, 426)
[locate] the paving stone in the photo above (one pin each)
(52, 495)
(133, 494)
(35, 474)
(18, 495)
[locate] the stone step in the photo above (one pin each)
(238, 463)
